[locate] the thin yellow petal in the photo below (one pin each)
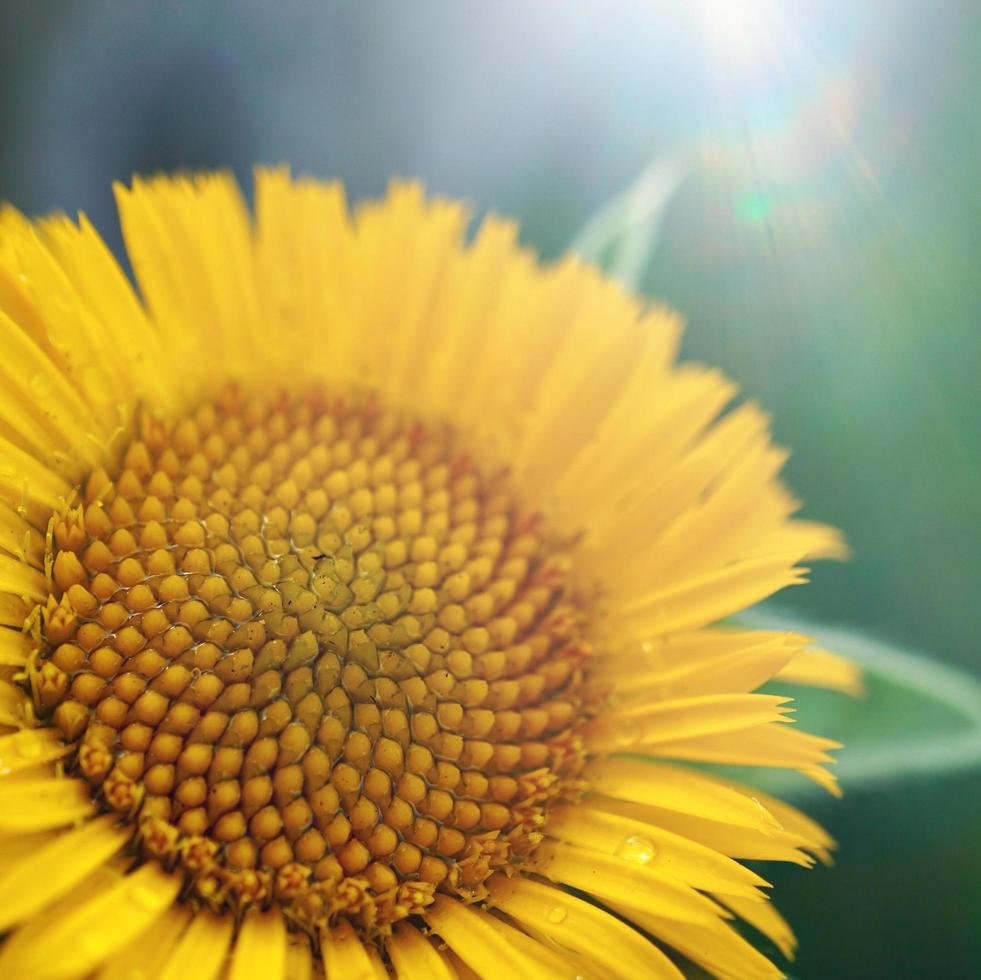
(15, 647)
(299, 959)
(260, 949)
(59, 419)
(305, 257)
(15, 705)
(202, 949)
(615, 880)
(37, 804)
(716, 594)
(482, 947)
(713, 661)
(415, 957)
(641, 842)
(821, 668)
(573, 924)
(717, 948)
(83, 937)
(29, 747)
(53, 869)
(775, 746)
(13, 610)
(637, 726)
(819, 841)
(765, 917)
(755, 844)
(553, 961)
(676, 789)
(129, 349)
(20, 579)
(15, 848)
(344, 955)
(19, 538)
(147, 954)
(191, 247)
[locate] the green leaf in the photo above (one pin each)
(918, 719)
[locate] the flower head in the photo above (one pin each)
(357, 583)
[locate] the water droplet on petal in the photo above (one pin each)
(638, 849)
(628, 732)
(556, 914)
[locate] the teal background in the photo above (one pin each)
(823, 245)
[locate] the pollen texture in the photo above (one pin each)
(314, 656)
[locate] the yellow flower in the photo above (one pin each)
(357, 586)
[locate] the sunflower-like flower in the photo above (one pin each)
(357, 581)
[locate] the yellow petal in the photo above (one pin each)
(299, 959)
(717, 948)
(15, 647)
(573, 924)
(202, 949)
(482, 947)
(19, 538)
(190, 244)
(29, 747)
(54, 868)
(642, 842)
(59, 419)
(414, 957)
(712, 661)
(713, 595)
(37, 804)
(75, 942)
(765, 917)
(19, 578)
(821, 668)
(13, 610)
(818, 841)
(733, 841)
(260, 949)
(128, 347)
(670, 788)
(147, 954)
(638, 726)
(304, 255)
(774, 746)
(549, 959)
(615, 880)
(344, 955)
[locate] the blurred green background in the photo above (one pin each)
(822, 241)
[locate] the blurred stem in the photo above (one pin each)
(622, 234)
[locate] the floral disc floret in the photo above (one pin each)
(314, 656)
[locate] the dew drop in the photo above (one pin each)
(637, 849)
(628, 732)
(556, 915)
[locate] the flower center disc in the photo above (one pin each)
(313, 654)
